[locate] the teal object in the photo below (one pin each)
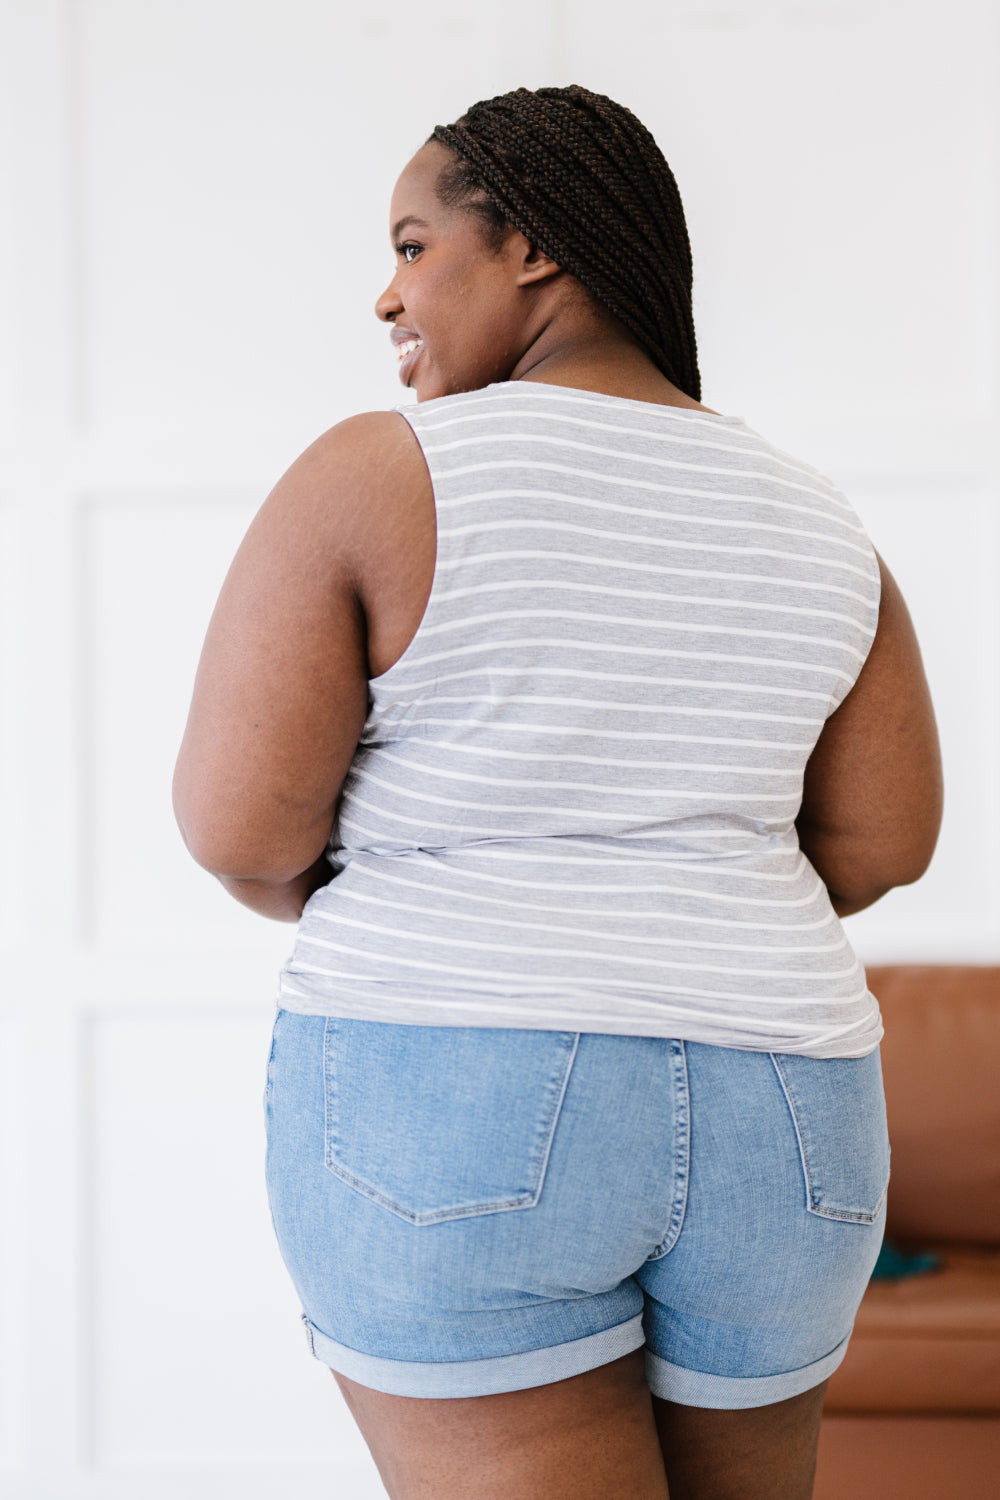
(893, 1264)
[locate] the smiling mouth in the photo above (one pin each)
(403, 351)
(407, 353)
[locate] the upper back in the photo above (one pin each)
(573, 802)
(616, 575)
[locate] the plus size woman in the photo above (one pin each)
(567, 717)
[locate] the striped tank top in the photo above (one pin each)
(573, 803)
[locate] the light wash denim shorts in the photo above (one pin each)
(469, 1210)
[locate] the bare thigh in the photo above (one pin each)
(591, 1437)
(597, 1436)
(764, 1453)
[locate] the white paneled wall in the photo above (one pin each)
(151, 565)
(193, 196)
(943, 539)
(188, 1289)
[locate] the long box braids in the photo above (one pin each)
(582, 178)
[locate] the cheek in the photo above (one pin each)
(468, 316)
(438, 301)
(494, 312)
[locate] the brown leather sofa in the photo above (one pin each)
(913, 1413)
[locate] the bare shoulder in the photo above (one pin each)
(360, 474)
(356, 512)
(320, 596)
(366, 440)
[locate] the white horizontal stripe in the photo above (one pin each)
(666, 832)
(529, 523)
(622, 677)
(455, 893)
(632, 1006)
(657, 889)
(661, 596)
(636, 622)
(674, 710)
(601, 562)
(661, 653)
(285, 988)
(390, 843)
(497, 398)
(576, 953)
(521, 925)
(383, 843)
(569, 759)
(758, 450)
(519, 403)
(592, 850)
(661, 485)
(771, 826)
(410, 794)
(632, 455)
(573, 731)
(536, 851)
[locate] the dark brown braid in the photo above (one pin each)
(584, 180)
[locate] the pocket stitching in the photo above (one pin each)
(851, 1216)
(682, 1151)
(269, 1075)
(527, 1199)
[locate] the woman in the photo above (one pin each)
(577, 714)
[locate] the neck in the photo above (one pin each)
(602, 358)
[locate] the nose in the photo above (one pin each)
(388, 307)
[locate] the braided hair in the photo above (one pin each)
(585, 182)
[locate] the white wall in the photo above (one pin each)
(193, 196)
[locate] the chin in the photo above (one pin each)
(455, 385)
(428, 391)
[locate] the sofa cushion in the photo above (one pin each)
(941, 1062)
(927, 1343)
(908, 1458)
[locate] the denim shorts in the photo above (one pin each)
(469, 1210)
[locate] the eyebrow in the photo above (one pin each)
(407, 219)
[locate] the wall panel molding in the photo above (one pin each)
(195, 1355)
(193, 206)
(14, 1243)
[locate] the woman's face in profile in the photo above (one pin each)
(459, 318)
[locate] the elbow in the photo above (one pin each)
(207, 838)
(850, 896)
(917, 866)
(214, 847)
(858, 871)
(232, 847)
(231, 857)
(909, 854)
(904, 866)
(858, 890)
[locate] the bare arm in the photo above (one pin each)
(281, 693)
(871, 806)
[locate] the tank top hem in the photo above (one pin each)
(558, 1013)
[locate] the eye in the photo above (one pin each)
(405, 248)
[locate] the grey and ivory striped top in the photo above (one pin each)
(573, 802)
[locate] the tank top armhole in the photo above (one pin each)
(410, 415)
(870, 627)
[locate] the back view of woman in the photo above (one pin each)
(569, 715)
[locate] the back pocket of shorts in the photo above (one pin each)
(442, 1122)
(838, 1109)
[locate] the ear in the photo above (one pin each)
(535, 265)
